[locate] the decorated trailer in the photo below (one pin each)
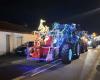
(92, 42)
(61, 42)
(83, 41)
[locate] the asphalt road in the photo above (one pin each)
(12, 68)
(79, 69)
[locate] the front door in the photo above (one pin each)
(7, 44)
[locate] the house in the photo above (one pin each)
(12, 36)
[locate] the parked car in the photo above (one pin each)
(20, 50)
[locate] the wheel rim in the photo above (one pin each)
(78, 50)
(70, 54)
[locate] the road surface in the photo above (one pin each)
(79, 69)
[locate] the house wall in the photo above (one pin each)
(2, 43)
(13, 40)
(27, 37)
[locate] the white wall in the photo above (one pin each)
(27, 37)
(2, 43)
(13, 40)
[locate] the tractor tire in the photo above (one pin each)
(86, 49)
(66, 55)
(82, 49)
(93, 47)
(77, 51)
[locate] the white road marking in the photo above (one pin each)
(35, 69)
(23, 76)
(40, 67)
(45, 69)
(19, 78)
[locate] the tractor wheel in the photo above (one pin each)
(66, 55)
(77, 51)
(82, 49)
(93, 47)
(86, 49)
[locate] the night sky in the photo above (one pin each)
(29, 12)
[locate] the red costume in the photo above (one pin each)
(36, 50)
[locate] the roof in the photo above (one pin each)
(11, 27)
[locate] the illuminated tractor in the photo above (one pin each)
(67, 41)
(92, 41)
(83, 41)
(61, 42)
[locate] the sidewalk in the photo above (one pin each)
(8, 59)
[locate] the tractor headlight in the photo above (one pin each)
(89, 42)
